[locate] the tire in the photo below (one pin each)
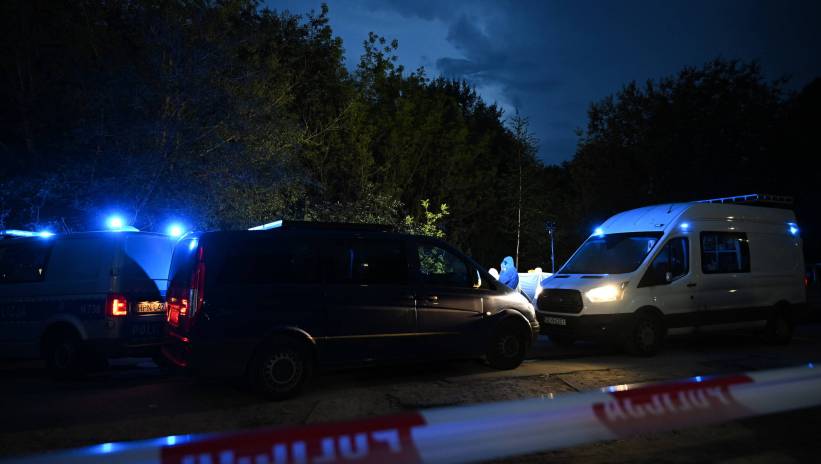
(508, 347)
(562, 340)
(162, 362)
(280, 368)
(65, 355)
(779, 330)
(646, 335)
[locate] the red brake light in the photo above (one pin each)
(197, 292)
(183, 304)
(116, 306)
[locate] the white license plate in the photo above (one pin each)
(149, 307)
(555, 321)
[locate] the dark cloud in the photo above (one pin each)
(424, 9)
(551, 59)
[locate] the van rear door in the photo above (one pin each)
(143, 280)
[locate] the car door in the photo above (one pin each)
(672, 285)
(371, 311)
(449, 308)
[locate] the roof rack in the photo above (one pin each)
(308, 225)
(754, 198)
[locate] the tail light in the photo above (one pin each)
(197, 293)
(116, 306)
(183, 304)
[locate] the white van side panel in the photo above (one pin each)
(777, 265)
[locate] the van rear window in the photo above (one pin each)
(182, 263)
(147, 256)
(24, 261)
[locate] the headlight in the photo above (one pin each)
(606, 293)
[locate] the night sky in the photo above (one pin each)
(552, 59)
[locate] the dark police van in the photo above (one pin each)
(273, 304)
(76, 299)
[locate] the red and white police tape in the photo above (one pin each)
(483, 431)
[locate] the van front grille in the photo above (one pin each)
(560, 301)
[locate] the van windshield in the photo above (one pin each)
(612, 253)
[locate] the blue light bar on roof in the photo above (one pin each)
(19, 233)
(270, 225)
(26, 233)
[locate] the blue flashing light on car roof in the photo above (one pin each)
(176, 230)
(793, 228)
(115, 222)
(598, 232)
(45, 234)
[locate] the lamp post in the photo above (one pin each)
(550, 226)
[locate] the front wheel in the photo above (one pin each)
(645, 336)
(280, 369)
(507, 347)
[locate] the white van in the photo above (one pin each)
(77, 298)
(680, 268)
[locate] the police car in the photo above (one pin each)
(77, 299)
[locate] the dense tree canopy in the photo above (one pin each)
(225, 114)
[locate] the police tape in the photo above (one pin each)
(480, 432)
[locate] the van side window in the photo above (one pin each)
(724, 252)
(24, 262)
(369, 262)
(671, 263)
(271, 261)
(438, 266)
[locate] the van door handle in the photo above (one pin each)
(691, 285)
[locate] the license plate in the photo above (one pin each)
(143, 330)
(150, 307)
(555, 321)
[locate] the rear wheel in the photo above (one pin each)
(779, 328)
(280, 368)
(645, 336)
(64, 354)
(507, 347)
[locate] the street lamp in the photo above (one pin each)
(550, 226)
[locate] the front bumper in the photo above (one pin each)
(535, 330)
(585, 327)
